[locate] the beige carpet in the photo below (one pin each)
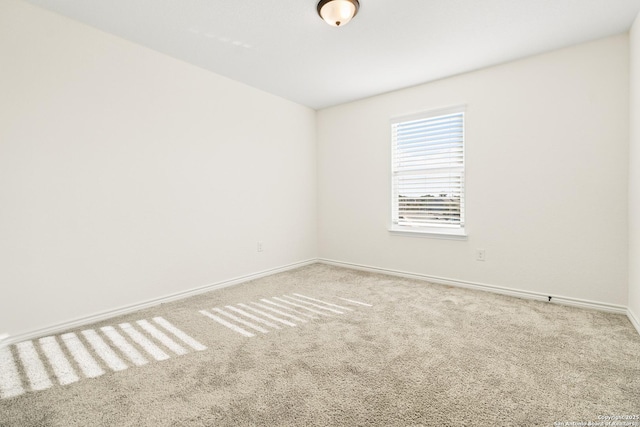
(417, 354)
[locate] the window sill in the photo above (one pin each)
(456, 234)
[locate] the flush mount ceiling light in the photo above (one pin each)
(338, 13)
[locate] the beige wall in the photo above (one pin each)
(547, 146)
(126, 175)
(634, 176)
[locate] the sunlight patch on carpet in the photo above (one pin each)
(286, 310)
(67, 358)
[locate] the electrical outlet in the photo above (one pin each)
(481, 255)
(259, 247)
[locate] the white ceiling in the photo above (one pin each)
(284, 48)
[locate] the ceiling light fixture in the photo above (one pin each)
(338, 13)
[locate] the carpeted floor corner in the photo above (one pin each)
(365, 350)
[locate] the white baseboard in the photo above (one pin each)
(85, 320)
(635, 320)
(575, 302)
(78, 322)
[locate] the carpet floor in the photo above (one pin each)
(322, 346)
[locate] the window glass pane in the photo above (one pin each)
(428, 171)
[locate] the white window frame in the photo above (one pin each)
(458, 232)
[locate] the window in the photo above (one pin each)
(428, 173)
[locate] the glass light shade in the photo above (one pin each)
(338, 13)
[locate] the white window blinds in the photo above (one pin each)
(428, 172)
